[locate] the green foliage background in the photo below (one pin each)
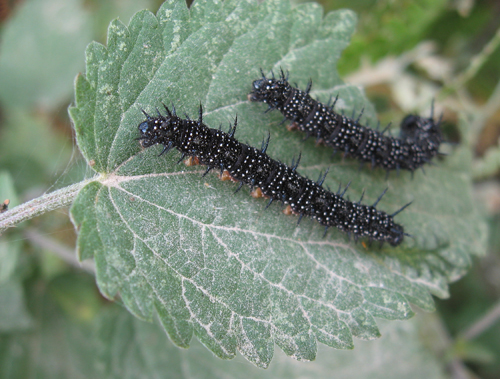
(61, 309)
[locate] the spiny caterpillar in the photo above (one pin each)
(248, 165)
(417, 144)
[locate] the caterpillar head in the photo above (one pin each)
(396, 235)
(417, 129)
(382, 227)
(270, 91)
(158, 130)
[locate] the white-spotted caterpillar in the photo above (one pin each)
(248, 165)
(417, 144)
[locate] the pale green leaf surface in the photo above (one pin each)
(218, 264)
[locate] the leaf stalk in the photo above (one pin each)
(40, 205)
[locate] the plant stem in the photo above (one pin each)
(66, 253)
(40, 205)
(490, 318)
(475, 65)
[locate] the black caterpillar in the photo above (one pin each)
(417, 144)
(276, 180)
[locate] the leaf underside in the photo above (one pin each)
(217, 264)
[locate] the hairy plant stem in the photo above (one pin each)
(40, 205)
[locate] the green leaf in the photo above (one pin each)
(391, 28)
(57, 345)
(103, 11)
(399, 353)
(114, 344)
(32, 150)
(54, 37)
(488, 165)
(217, 264)
(7, 190)
(9, 258)
(13, 313)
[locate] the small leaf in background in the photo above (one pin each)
(14, 316)
(9, 259)
(33, 152)
(488, 165)
(216, 264)
(7, 190)
(52, 35)
(58, 345)
(388, 28)
(13, 313)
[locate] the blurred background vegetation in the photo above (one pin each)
(405, 53)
